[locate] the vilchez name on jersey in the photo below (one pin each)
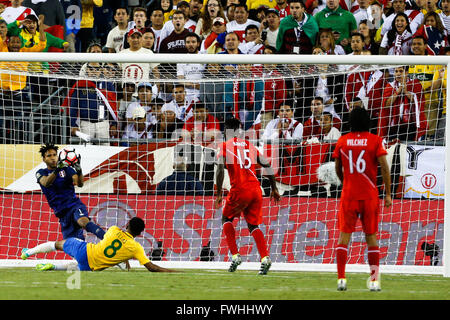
(357, 142)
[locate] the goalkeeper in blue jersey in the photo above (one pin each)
(57, 183)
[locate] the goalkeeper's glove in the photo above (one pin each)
(77, 166)
(60, 166)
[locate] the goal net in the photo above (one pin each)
(148, 131)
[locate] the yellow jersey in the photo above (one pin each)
(255, 4)
(425, 74)
(436, 77)
(16, 80)
(117, 246)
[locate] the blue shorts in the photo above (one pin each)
(69, 224)
(76, 248)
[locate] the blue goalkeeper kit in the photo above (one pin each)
(62, 199)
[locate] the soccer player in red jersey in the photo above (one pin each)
(357, 156)
(240, 157)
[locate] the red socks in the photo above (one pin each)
(230, 235)
(341, 260)
(258, 235)
(373, 257)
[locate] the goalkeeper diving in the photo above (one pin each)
(57, 182)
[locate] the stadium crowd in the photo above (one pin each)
(114, 100)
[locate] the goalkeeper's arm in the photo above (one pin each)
(47, 181)
(78, 179)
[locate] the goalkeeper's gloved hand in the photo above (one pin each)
(60, 165)
(77, 166)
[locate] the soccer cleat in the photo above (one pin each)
(374, 285)
(265, 266)
(122, 266)
(236, 260)
(342, 284)
(24, 255)
(45, 267)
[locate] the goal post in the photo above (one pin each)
(122, 180)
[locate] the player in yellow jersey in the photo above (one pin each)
(117, 246)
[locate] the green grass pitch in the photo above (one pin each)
(139, 284)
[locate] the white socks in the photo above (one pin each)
(42, 248)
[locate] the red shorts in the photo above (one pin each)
(248, 201)
(366, 210)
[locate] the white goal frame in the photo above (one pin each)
(272, 59)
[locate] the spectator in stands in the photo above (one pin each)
(212, 10)
(114, 41)
(180, 182)
(127, 97)
(229, 12)
(136, 72)
(93, 107)
(329, 132)
(72, 13)
(170, 126)
(341, 21)
(325, 40)
(214, 42)
(297, 33)
(86, 33)
(270, 26)
(275, 91)
(189, 23)
(424, 74)
(145, 96)
(433, 33)
(284, 126)
(241, 21)
(402, 115)
(139, 22)
(203, 127)
(369, 41)
(140, 127)
(27, 30)
(365, 13)
(413, 17)
(157, 24)
(311, 127)
(357, 43)
(440, 83)
(282, 6)
(148, 39)
(445, 15)
(191, 71)
(182, 105)
(15, 99)
(253, 44)
(16, 11)
(174, 43)
(397, 41)
(169, 7)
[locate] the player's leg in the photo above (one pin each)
(347, 218)
(46, 247)
(369, 221)
(253, 217)
(81, 216)
(230, 236)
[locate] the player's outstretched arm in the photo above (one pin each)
(154, 268)
(386, 175)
